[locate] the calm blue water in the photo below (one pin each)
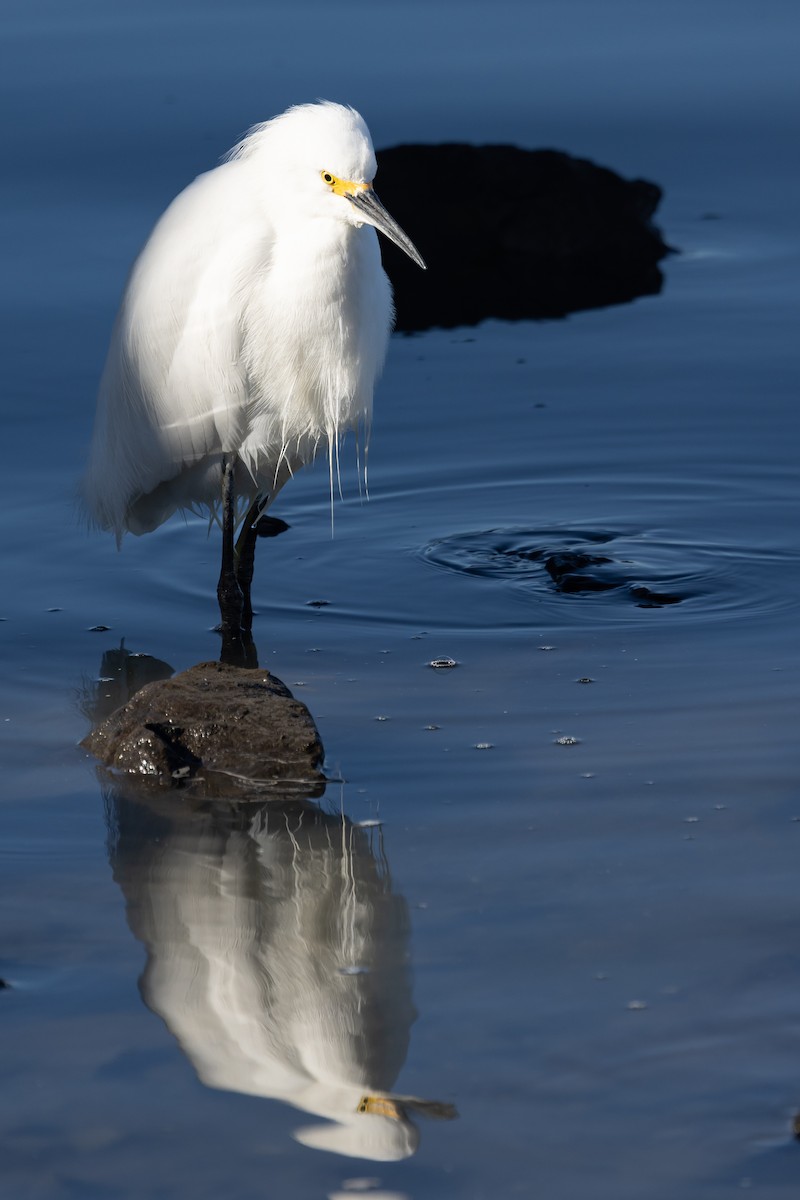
(576, 920)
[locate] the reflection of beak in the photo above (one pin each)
(375, 214)
(380, 1106)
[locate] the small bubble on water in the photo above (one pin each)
(691, 820)
(547, 647)
(99, 628)
(381, 718)
(442, 664)
(637, 1005)
(585, 679)
(484, 746)
(567, 740)
(431, 728)
(587, 775)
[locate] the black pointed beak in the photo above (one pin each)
(373, 213)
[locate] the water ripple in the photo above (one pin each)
(605, 573)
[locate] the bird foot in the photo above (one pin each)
(270, 527)
(238, 649)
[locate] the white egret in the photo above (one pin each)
(251, 332)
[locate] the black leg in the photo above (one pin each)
(245, 556)
(255, 525)
(229, 593)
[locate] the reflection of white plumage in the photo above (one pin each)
(252, 328)
(278, 957)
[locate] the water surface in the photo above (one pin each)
(571, 912)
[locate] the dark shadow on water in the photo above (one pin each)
(277, 956)
(515, 234)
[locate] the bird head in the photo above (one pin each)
(325, 152)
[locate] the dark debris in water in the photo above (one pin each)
(575, 573)
(565, 572)
(649, 599)
(565, 561)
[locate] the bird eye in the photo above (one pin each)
(326, 175)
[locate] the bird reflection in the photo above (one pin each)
(278, 956)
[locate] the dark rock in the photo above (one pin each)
(225, 729)
(514, 234)
(122, 674)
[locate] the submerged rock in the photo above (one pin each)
(515, 234)
(227, 729)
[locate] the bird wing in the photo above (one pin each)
(174, 391)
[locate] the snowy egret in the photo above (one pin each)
(252, 330)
